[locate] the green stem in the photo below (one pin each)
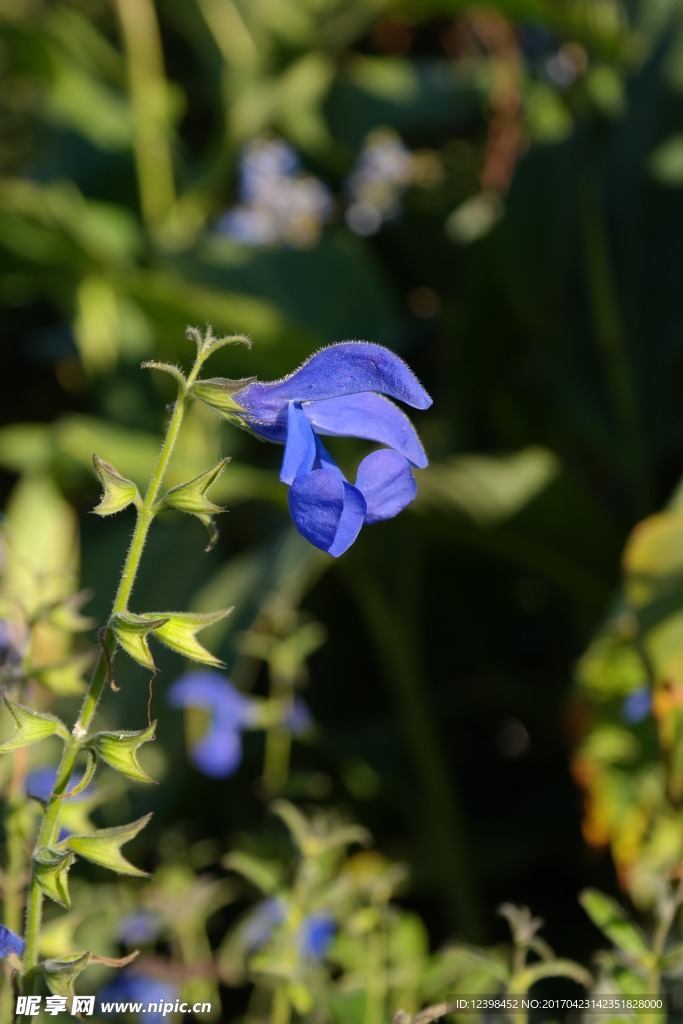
(281, 1008)
(278, 740)
(50, 824)
(377, 974)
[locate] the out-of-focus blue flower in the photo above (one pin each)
(637, 706)
(12, 643)
(139, 928)
(139, 988)
(299, 719)
(10, 943)
(40, 783)
(280, 203)
(261, 924)
(315, 933)
(339, 391)
(382, 173)
(219, 752)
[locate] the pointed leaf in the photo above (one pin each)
(61, 974)
(131, 632)
(118, 491)
(297, 823)
(207, 343)
(119, 750)
(218, 393)
(151, 364)
(261, 873)
(178, 629)
(65, 678)
(104, 846)
(31, 726)
(613, 921)
(50, 869)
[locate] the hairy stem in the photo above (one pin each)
(50, 825)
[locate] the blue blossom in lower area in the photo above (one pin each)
(280, 203)
(10, 944)
(139, 988)
(315, 933)
(343, 390)
(382, 173)
(139, 928)
(637, 706)
(219, 752)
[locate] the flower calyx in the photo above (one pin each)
(31, 726)
(119, 750)
(104, 846)
(118, 492)
(191, 497)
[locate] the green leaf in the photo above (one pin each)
(119, 750)
(207, 344)
(65, 678)
(613, 921)
(218, 392)
(261, 873)
(560, 968)
(177, 630)
(191, 497)
(131, 632)
(61, 974)
(31, 726)
(104, 846)
(50, 869)
(118, 491)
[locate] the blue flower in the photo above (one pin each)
(299, 719)
(219, 752)
(139, 928)
(339, 391)
(10, 943)
(315, 934)
(40, 783)
(139, 988)
(637, 706)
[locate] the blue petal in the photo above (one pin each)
(10, 943)
(371, 417)
(348, 368)
(261, 924)
(40, 783)
(637, 706)
(139, 988)
(386, 482)
(317, 933)
(211, 691)
(140, 927)
(327, 510)
(300, 447)
(219, 752)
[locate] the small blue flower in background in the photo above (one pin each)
(12, 642)
(637, 706)
(139, 988)
(10, 943)
(299, 719)
(40, 783)
(139, 928)
(339, 391)
(219, 752)
(315, 934)
(280, 203)
(382, 173)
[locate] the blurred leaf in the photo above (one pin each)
(613, 921)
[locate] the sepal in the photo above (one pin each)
(191, 497)
(118, 491)
(31, 726)
(119, 750)
(218, 392)
(104, 846)
(131, 631)
(178, 629)
(60, 975)
(51, 869)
